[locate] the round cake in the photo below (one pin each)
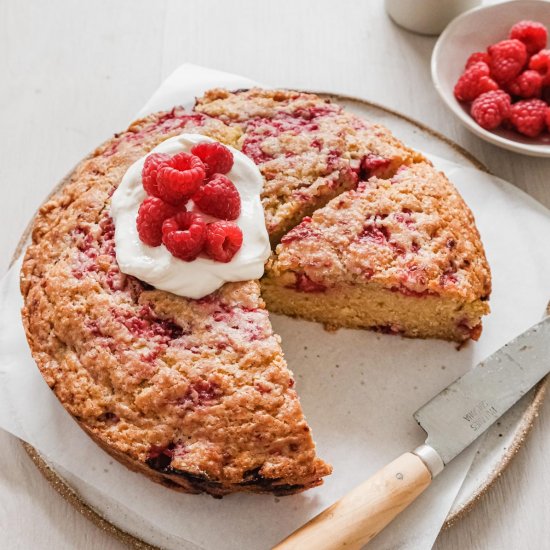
(195, 393)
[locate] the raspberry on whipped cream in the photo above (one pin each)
(179, 178)
(219, 197)
(202, 276)
(217, 158)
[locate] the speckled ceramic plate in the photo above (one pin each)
(498, 447)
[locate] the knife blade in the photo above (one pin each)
(453, 420)
(458, 415)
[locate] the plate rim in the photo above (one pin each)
(528, 416)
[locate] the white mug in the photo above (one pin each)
(427, 16)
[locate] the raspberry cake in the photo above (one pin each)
(195, 393)
(400, 255)
(308, 149)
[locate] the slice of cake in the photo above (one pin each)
(400, 255)
(195, 394)
(308, 149)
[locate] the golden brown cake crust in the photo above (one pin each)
(308, 149)
(412, 230)
(169, 386)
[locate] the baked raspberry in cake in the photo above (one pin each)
(401, 255)
(308, 149)
(193, 393)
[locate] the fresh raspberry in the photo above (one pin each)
(528, 84)
(529, 116)
(217, 158)
(476, 58)
(532, 33)
(474, 81)
(179, 178)
(491, 108)
(540, 62)
(151, 215)
(507, 59)
(219, 197)
(223, 240)
(184, 235)
(149, 172)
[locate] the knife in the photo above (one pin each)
(453, 420)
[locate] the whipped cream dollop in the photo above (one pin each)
(196, 279)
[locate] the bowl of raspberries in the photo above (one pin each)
(491, 66)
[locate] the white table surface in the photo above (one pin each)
(72, 73)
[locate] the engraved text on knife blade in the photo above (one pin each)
(455, 417)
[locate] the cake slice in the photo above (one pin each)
(308, 149)
(399, 255)
(195, 394)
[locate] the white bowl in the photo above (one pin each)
(472, 32)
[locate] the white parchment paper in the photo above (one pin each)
(358, 389)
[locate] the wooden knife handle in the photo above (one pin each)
(358, 517)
